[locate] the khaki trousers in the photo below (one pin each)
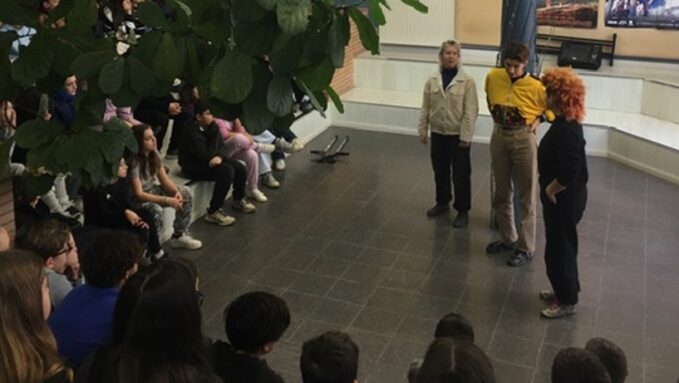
(513, 154)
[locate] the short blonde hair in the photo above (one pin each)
(449, 43)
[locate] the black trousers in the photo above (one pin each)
(561, 247)
(228, 172)
(446, 157)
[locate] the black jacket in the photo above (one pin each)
(561, 155)
(199, 145)
(235, 367)
(105, 206)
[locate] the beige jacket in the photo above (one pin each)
(452, 111)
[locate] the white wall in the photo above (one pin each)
(406, 26)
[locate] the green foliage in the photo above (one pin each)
(242, 54)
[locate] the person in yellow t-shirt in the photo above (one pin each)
(517, 102)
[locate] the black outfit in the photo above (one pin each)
(561, 156)
(62, 376)
(105, 208)
(236, 367)
(154, 111)
(198, 146)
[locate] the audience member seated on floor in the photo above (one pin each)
(30, 209)
(449, 360)
(157, 112)
(123, 113)
(453, 326)
(152, 190)
(83, 320)
(201, 158)
(577, 365)
(29, 352)
(156, 332)
(331, 357)
(110, 206)
(254, 323)
(289, 136)
(612, 357)
(53, 243)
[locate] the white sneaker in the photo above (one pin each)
(271, 182)
(265, 148)
(297, 145)
(283, 145)
(279, 164)
(257, 195)
(244, 206)
(186, 241)
(219, 218)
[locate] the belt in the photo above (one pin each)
(507, 127)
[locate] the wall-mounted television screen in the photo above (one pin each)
(642, 13)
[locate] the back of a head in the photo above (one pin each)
(577, 365)
(255, 319)
(455, 361)
(612, 357)
(331, 357)
(28, 347)
(108, 259)
(157, 323)
(45, 237)
(455, 326)
(516, 51)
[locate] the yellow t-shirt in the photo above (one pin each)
(514, 103)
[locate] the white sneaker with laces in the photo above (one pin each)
(219, 218)
(279, 164)
(257, 195)
(271, 182)
(186, 241)
(283, 145)
(265, 148)
(297, 145)
(244, 205)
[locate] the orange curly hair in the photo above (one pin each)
(567, 92)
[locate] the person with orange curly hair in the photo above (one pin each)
(563, 175)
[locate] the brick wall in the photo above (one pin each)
(344, 76)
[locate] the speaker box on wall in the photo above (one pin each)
(580, 55)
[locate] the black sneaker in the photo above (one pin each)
(461, 221)
(497, 247)
(437, 210)
(519, 258)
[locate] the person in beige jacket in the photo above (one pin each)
(449, 109)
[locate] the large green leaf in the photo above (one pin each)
(279, 95)
(314, 100)
(256, 116)
(317, 77)
(269, 5)
(13, 14)
(111, 76)
(34, 62)
(75, 150)
(34, 133)
(376, 12)
(416, 5)
(335, 99)
(141, 77)
(151, 15)
(293, 15)
(232, 77)
(60, 11)
(37, 185)
(82, 17)
(247, 10)
(126, 96)
(366, 31)
(146, 50)
(45, 157)
(118, 137)
(89, 64)
(166, 63)
(256, 37)
(336, 43)
(287, 59)
(64, 58)
(223, 110)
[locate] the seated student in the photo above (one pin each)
(452, 325)
(152, 189)
(577, 365)
(331, 357)
(266, 160)
(254, 323)
(110, 206)
(123, 113)
(83, 321)
(612, 356)
(53, 243)
(157, 112)
(290, 137)
(29, 353)
(201, 157)
(450, 361)
(156, 332)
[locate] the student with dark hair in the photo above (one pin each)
(29, 353)
(516, 102)
(612, 357)
(254, 322)
(331, 357)
(577, 365)
(451, 361)
(53, 243)
(83, 321)
(453, 326)
(156, 332)
(201, 157)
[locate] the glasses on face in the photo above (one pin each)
(200, 298)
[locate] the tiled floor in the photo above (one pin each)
(349, 247)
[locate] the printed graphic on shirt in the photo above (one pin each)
(507, 115)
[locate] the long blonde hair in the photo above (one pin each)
(28, 351)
